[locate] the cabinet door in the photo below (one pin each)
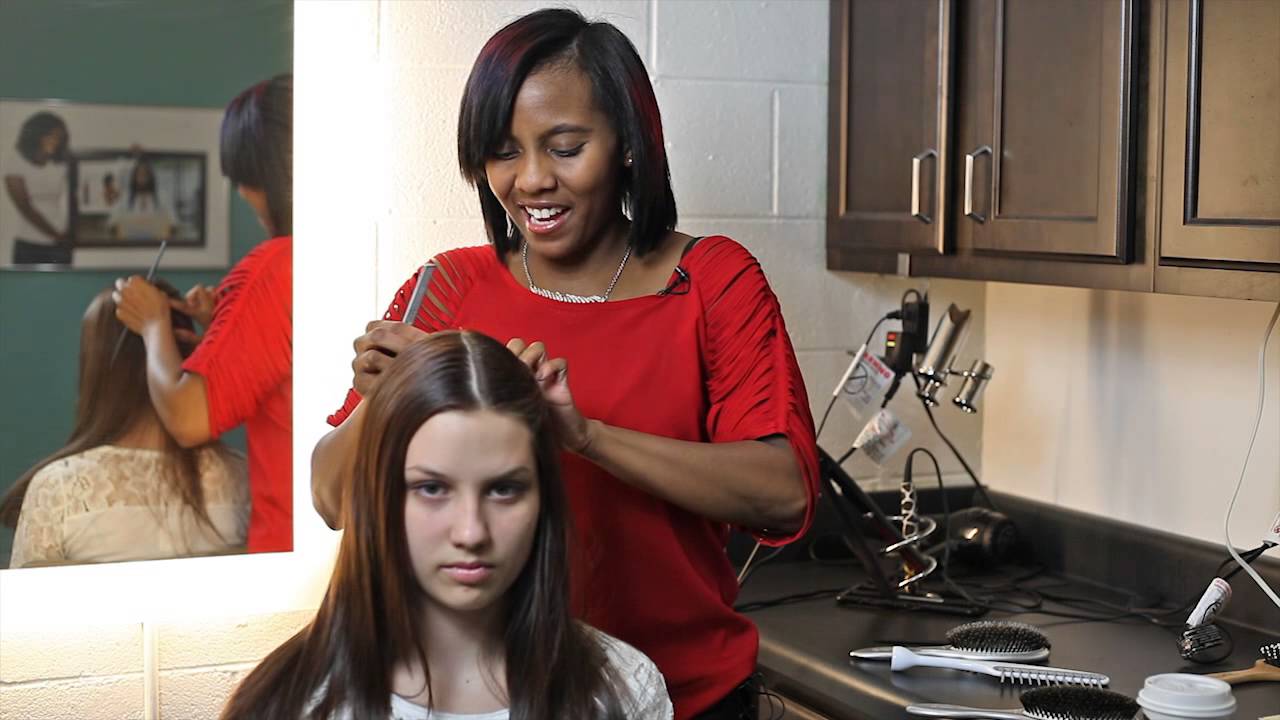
(1221, 185)
(1044, 133)
(889, 109)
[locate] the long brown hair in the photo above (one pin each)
(113, 399)
(369, 620)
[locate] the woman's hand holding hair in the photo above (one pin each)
(180, 398)
(751, 483)
(140, 305)
(376, 348)
(197, 305)
(552, 374)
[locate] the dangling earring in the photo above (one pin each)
(626, 159)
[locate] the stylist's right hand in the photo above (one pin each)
(381, 342)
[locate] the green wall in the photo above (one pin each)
(191, 53)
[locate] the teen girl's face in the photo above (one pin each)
(471, 508)
(557, 173)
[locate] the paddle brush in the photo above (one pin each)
(983, 640)
(1046, 703)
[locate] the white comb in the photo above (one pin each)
(1013, 672)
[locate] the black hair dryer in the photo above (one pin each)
(982, 536)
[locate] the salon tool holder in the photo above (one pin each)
(902, 534)
(862, 517)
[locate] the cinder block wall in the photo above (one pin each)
(101, 671)
(742, 88)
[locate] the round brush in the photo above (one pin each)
(982, 640)
(1046, 703)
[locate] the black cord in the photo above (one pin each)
(788, 599)
(832, 402)
(1248, 557)
(944, 566)
(954, 450)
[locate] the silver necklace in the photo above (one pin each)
(570, 297)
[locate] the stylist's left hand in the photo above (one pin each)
(552, 375)
(139, 304)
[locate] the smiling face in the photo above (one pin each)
(51, 144)
(557, 174)
(471, 507)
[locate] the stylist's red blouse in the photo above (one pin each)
(246, 359)
(709, 361)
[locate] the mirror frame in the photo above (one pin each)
(337, 101)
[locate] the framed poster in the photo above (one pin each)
(89, 186)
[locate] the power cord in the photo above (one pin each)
(896, 314)
(747, 568)
(1257, 420)
(977, 484)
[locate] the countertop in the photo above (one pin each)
(804, 650)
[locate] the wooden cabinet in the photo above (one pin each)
(1220, 185)
(1124, 144)
(889, 126)
(1043, 128)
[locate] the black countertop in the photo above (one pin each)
(804, 649)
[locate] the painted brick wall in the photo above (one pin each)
(742, 87)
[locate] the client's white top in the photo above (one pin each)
(114, 503)
(645, 696)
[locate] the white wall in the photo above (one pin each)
(1133, 406)
(742, 88)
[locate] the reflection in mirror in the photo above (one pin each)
(122, 488)
(155, 366)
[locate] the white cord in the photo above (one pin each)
(1257, 420)
(747, 565)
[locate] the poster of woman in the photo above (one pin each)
(101, 186)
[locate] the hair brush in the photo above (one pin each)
(1265, 670)
(1046, 703)
(983, 640)
(904, 659)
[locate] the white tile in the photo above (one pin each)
(405, 242)
(450, 33)
(111, 698)
(220, 642)
(83, 652)
(802, 151)
(421, 144)
(743, 40)
(719, 140)
(198, 694)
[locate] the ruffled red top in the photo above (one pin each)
(710, 361)
(246, 360)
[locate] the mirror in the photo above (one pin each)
(134, 91)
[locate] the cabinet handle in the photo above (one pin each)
(916, 162)
(968, 183)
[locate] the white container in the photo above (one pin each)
(1184, 696)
